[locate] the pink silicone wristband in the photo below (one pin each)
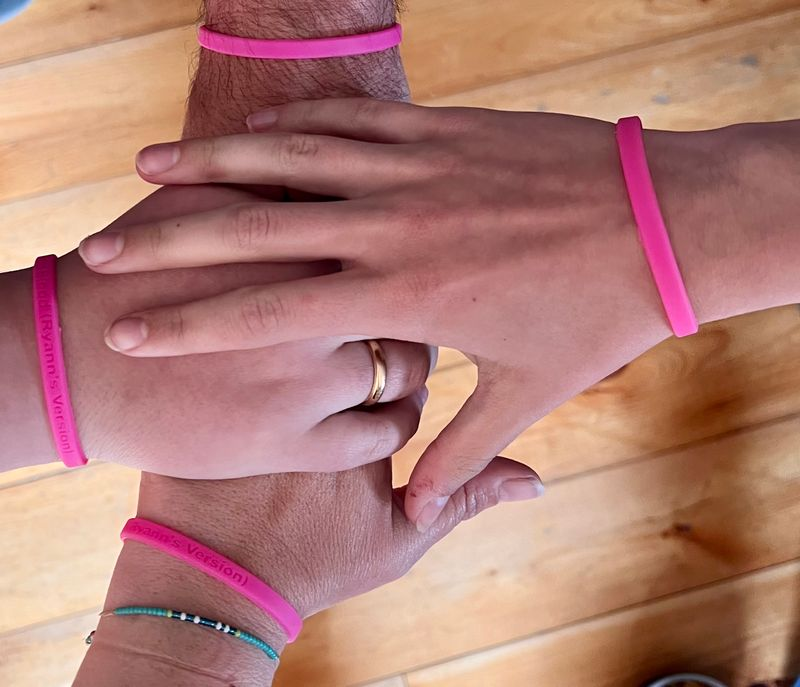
(51, 363)
(309, 49)
(219, 567)
(652, 230)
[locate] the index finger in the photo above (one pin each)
(323, 165)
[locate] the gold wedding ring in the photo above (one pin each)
(378, 372)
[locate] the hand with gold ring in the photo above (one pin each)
(292, 407)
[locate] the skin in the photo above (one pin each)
(508, 236)
(297, 532)
(200, 416)
(317, 539)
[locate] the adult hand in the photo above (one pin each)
(317, 539)
(229, 414)
(508, 236)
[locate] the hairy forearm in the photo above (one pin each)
(24, 433)
(226, 89)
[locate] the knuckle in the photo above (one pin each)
(295, 149)
(472, 500)
(367, 110)
(304, 114)
(413, 374)
(380, 441)
(173, 326)
(155, 239)
(209, 160)
(261, 313)
(251, 226)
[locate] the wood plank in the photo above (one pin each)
(89, 506)
(740, 631)
(594, 543)
(47, 654)
(391, 682)
(744, 73)
(61, 644)
(56, 222)
(733, 374)
(81, 117)
(453, 46)
(57, 26)
(450, 46)
(31, 474)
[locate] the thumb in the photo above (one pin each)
(489, 420)
(501, 480)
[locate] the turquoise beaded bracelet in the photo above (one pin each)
(197, 620)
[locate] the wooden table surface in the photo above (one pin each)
(670, 535)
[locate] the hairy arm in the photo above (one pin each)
(225, 90)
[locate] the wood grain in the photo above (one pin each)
(680, 471)
(56, 222)
(597, 541)
(742, 73)
(453, 46)
(390, 682)
(61, 643)
(449, 46)
(47, 654)
(56, 26)
(63, 534)
(740, 631)
(81, 117)
(594, 543)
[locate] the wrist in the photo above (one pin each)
(146, 577)
(226, 89)
(298, 20)
(730, 204)
(192, 508)
(25, 437)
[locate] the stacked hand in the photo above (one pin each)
(317, 539)
(508, 236)
(285, 408)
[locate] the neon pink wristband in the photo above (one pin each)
(219, 567)
(51, 363)
(309, 49)
(652, 230)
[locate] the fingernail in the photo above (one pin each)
(520, 489)
(101, 248)
(430, 513)
(126, 334)
(258, 121)
(158, 158)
